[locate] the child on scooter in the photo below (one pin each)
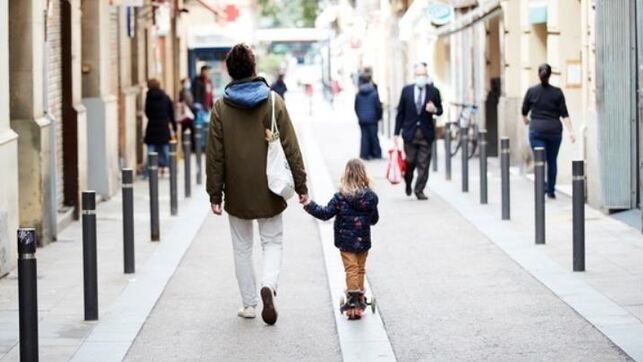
(355, 210)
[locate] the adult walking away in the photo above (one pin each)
(236, 168)
(279, 85)
(419, 102)
(159, 111)
(369, 112)
(545, 105)
(187, 110)
(202, 89)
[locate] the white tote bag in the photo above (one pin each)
(280, 180)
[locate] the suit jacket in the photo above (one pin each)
(407, 119)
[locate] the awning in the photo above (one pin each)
(486, 10)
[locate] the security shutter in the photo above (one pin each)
(616, 101)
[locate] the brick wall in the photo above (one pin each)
(54, 90)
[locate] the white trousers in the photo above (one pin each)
(271, 233)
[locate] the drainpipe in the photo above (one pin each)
(53, 198)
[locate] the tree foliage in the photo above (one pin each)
(288, 13)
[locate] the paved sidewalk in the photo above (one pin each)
(445, 291)
(609, 294)
(196, 320)
(60, 277)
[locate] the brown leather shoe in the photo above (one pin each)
(269, 313)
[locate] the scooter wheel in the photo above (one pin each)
(342, 301)
(373, 305)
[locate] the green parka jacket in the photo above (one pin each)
(237, 150)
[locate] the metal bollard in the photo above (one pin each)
(464, 142)
(187, 158)
(128, 220)
(505, 154)
(155, 229)
(28, 294)
(174, 193)
(199, 152)
(539, 192)
(578, 199)
(447, 153)
(90, 267)
(434, 155)
(482, 141)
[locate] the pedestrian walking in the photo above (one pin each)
(542, 109)
(368, 108)
(202, 89)
(186, 111)
(355, 210)
(419, 102)
(236, 169)
(161, 124)
(279, 85)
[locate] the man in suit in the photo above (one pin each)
(414, 122)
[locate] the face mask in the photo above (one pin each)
(421, 80)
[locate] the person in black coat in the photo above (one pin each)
(202, 89)
(279, 85)
(369, 112)
(159, 111)
(419, 102)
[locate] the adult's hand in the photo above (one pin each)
(216, 209)
(431, 108)
(304, 199)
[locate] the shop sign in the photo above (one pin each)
(439, 13)
(162, 20)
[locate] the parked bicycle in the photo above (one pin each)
(466, 120)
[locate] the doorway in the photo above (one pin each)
(69, 115)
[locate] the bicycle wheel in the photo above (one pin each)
(473, 140)
(454, 131)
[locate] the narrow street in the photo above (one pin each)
(444, 291)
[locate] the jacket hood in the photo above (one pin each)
(366, 88)
(247, 93)
(365, 200)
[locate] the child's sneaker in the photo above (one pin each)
(247, 312)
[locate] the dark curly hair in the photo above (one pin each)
(240, 61)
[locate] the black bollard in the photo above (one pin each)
(174, 193)
(128, 220)
(464, 142)
(434, 155)
(447, 153)
(27, 294)
(539, 192)
(155, 229)
(199, 152)
(90, 267)
(187, 159)
(505, 158)
(578, 199)
(482, 141)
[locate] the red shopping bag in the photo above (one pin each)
(396, 166)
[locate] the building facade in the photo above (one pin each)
(72, 83)
(489, 53)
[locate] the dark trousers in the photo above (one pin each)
(418, 155)
(370, 145)
(551, 144)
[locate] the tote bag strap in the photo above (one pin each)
(273, 122)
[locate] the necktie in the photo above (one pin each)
(419, 101)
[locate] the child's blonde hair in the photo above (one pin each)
(355, 178)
